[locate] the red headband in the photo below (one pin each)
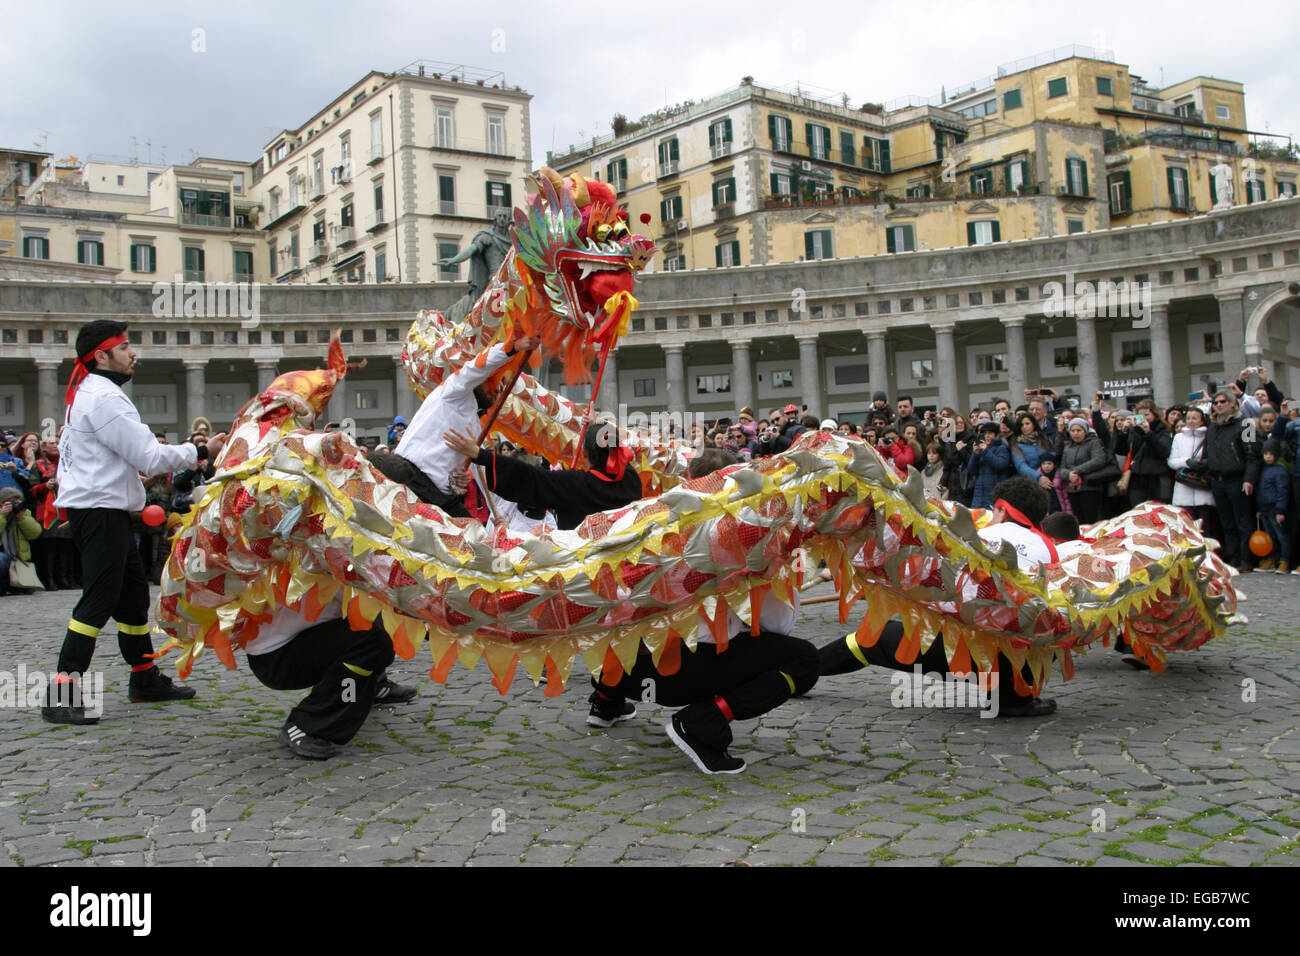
(1018, 516)
(615, 463)
(79, 370)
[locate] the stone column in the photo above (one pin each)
(49, 401)
(877, 366)
(267, 370)
(810, 378)
(676, 368)
(1017, 364)
(404, 400)
(946, 347)
(1089, 369)
(1232, 324)
(1162, 358)
(742, 378)
(196, 392)
(607, 398)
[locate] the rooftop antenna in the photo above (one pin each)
(41, 140)
(135, 151)
(148, 145)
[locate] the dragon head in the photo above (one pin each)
(575, 239)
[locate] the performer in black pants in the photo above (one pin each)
(102, 453)
(1018, 511)
(755, 674)
(345, 670)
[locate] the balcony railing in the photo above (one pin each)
(668, 169)
(317, 188)
(721, 148)
(201, 219)
(319, 250)
(376, 154)
(194, 275)
(446, 207)
(375, 221)
(345, 236)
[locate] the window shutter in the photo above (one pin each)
(663, 210)
(714, 187)
(81, 252)
(997, 232)
(509, 204)
(727, 129)
(717, 254)
(970, 234)
(1083, 178)
(774, 187)
(890, 243)
(135, 259)
(1214, 193)
(1128, 188)
(808, 246)
(771, 127)
(1169, 182)
(735, 252)
(884, 156)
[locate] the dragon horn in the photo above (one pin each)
(579, 186)
(556, 179)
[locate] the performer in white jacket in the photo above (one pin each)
(104, 450)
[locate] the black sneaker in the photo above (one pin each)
(607, 713)
(156, 688)
(390, 692)
(1028, 707)
(65, 713)
(304, 744)
(708, 758)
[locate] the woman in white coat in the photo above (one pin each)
(1189, 444)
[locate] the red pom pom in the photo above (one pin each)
(645, 218)
(153, 516)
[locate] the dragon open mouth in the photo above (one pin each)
(590, 282)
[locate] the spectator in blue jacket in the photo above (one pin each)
(1272, 498)
(990, 463)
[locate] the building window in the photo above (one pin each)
(223, 402)
(496, 128)
(724, 191)
(728, 318)
(922, 369)
(381, 265)
(643, 387)
(875, 154)
(365, 399)
(1177, 180)
(144, 258)
(981, 181)
(712, 384)
(446, 123)
(817, 244)
(229, 337)
(1017, 173)
(300, 337)
(771, 315)
(498, 196)
(369, 335)
(194, 269)
(1285, 188)
(377, 135)
(1254, 190)
(448, 250)
(661, 323)
(975, 298)
(254, 337)
(346, 215)
(1133, 352)
(90, 252)
(781, 184)
(1074, 225)
(207, 338)
(36, 247)
(1212, 343)
(668, 157)
(1058, 87)
(782, 132)
(1011, 100)
(616, 174)
(1104, 86)
(243, 265)
(851, 374)
(819, 141)
(720, 138)
(446, 194)
(182, 337)
(151, 405)
(728, 253)
(989, 363)
(999, 296)
(749, 318)
(1119, 185)
(848, 153)
(670, 208)
(982, 232)
(783, 378)
(921, 191)
(1222, 112)
(1066, 356)
(674, 263)
(159, 337)
(1076, 177)
(900, 239)
(683, 321)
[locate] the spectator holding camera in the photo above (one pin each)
(1146, 443)
(18, 529)
(990, 463)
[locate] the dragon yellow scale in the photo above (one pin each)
(294, 515)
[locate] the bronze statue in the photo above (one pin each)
(486, 253)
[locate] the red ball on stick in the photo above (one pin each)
(153, 516)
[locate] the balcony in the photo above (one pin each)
(668, 169)
(345, 173)
(446, 207)
(206, 221)
(195, 275)
(319, 251)
(376, 154)
(345, 235)
(376, 221)
(318, 189)
(720, 149)
(279, 214)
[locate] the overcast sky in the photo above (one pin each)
(85, 77)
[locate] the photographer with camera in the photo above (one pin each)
(18, 529)
(990, 463)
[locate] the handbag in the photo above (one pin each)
(22, 574)
(1194, 474)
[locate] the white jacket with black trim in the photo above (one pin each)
(106, 448)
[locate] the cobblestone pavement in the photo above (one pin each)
(1134, 769)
